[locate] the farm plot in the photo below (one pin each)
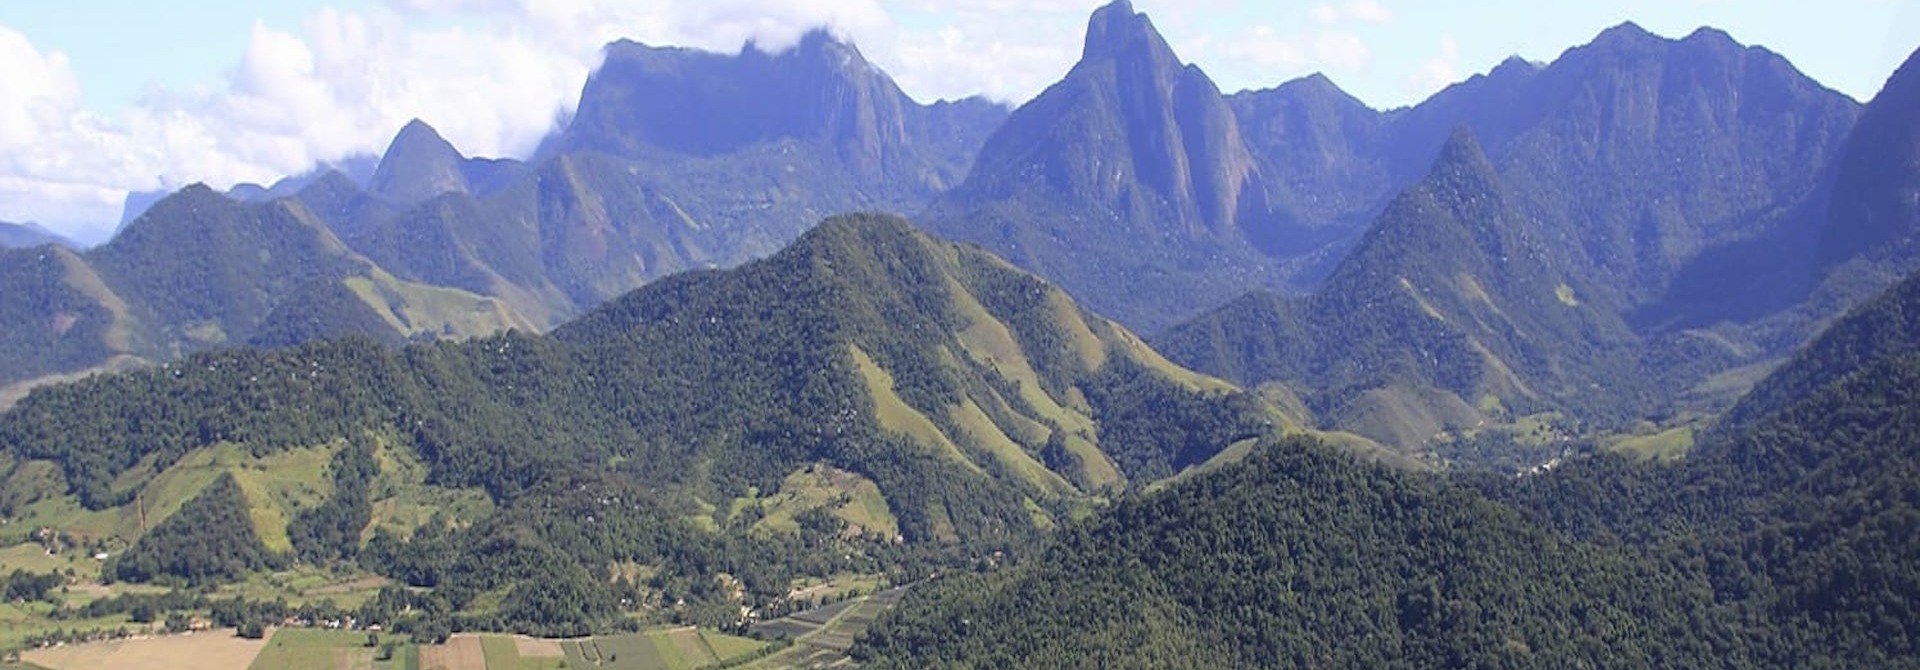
(675, 649)
(520, 653)
(211, 650)
(822, 636)
(314, 649)
(461, 652)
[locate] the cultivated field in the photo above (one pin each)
(821, 637)
(463, 652)
(206, 650)
(676, 649)
(315, 649)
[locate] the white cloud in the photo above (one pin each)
(1341, 51)
(1364, 11)
(1437, 72)
(1263, 46)
(340, 86)
(1262, 53)
(54, 156)
(1370, 11)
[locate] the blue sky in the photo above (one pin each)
(105, 96)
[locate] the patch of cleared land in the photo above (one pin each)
(19, 621)
(275, 487)
(821, 637)
(522, 653)
(988, 435)
(32, 557)
(534, 647)
(1666, 445)
(306, 584)
(462, 652)
(316, 649)
(849, 496)
(206, 650)
(674, 649)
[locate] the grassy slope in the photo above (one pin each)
(435, 311)
(822, 486)
(895, 415)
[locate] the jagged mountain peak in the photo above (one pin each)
(820, 43)
(1515, 64)
(1462, 151)
(418, 134)
(1130, 111)
(1132, 149)
(1709, 35)
(643, 100)
(1626, 33)
(418, 165)
(1116, 31)
(1316, 84)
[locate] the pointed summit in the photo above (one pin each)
(1116, 31)
(418, 165)
(1462, 154)
(1462, 147)
(1315, 85)
(418, 136)
(822, 47)
(1627, 33)
(1459, 218)
(1132, 148)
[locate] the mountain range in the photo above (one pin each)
(664, 371)
(1269, 189)
(1532, 306)
(1692, 198)
(437, 244)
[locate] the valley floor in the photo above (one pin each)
(817, 638)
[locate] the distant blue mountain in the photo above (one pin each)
(23, 235)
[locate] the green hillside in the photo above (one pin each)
(978, 403)
(200, 270)
(60, 316)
